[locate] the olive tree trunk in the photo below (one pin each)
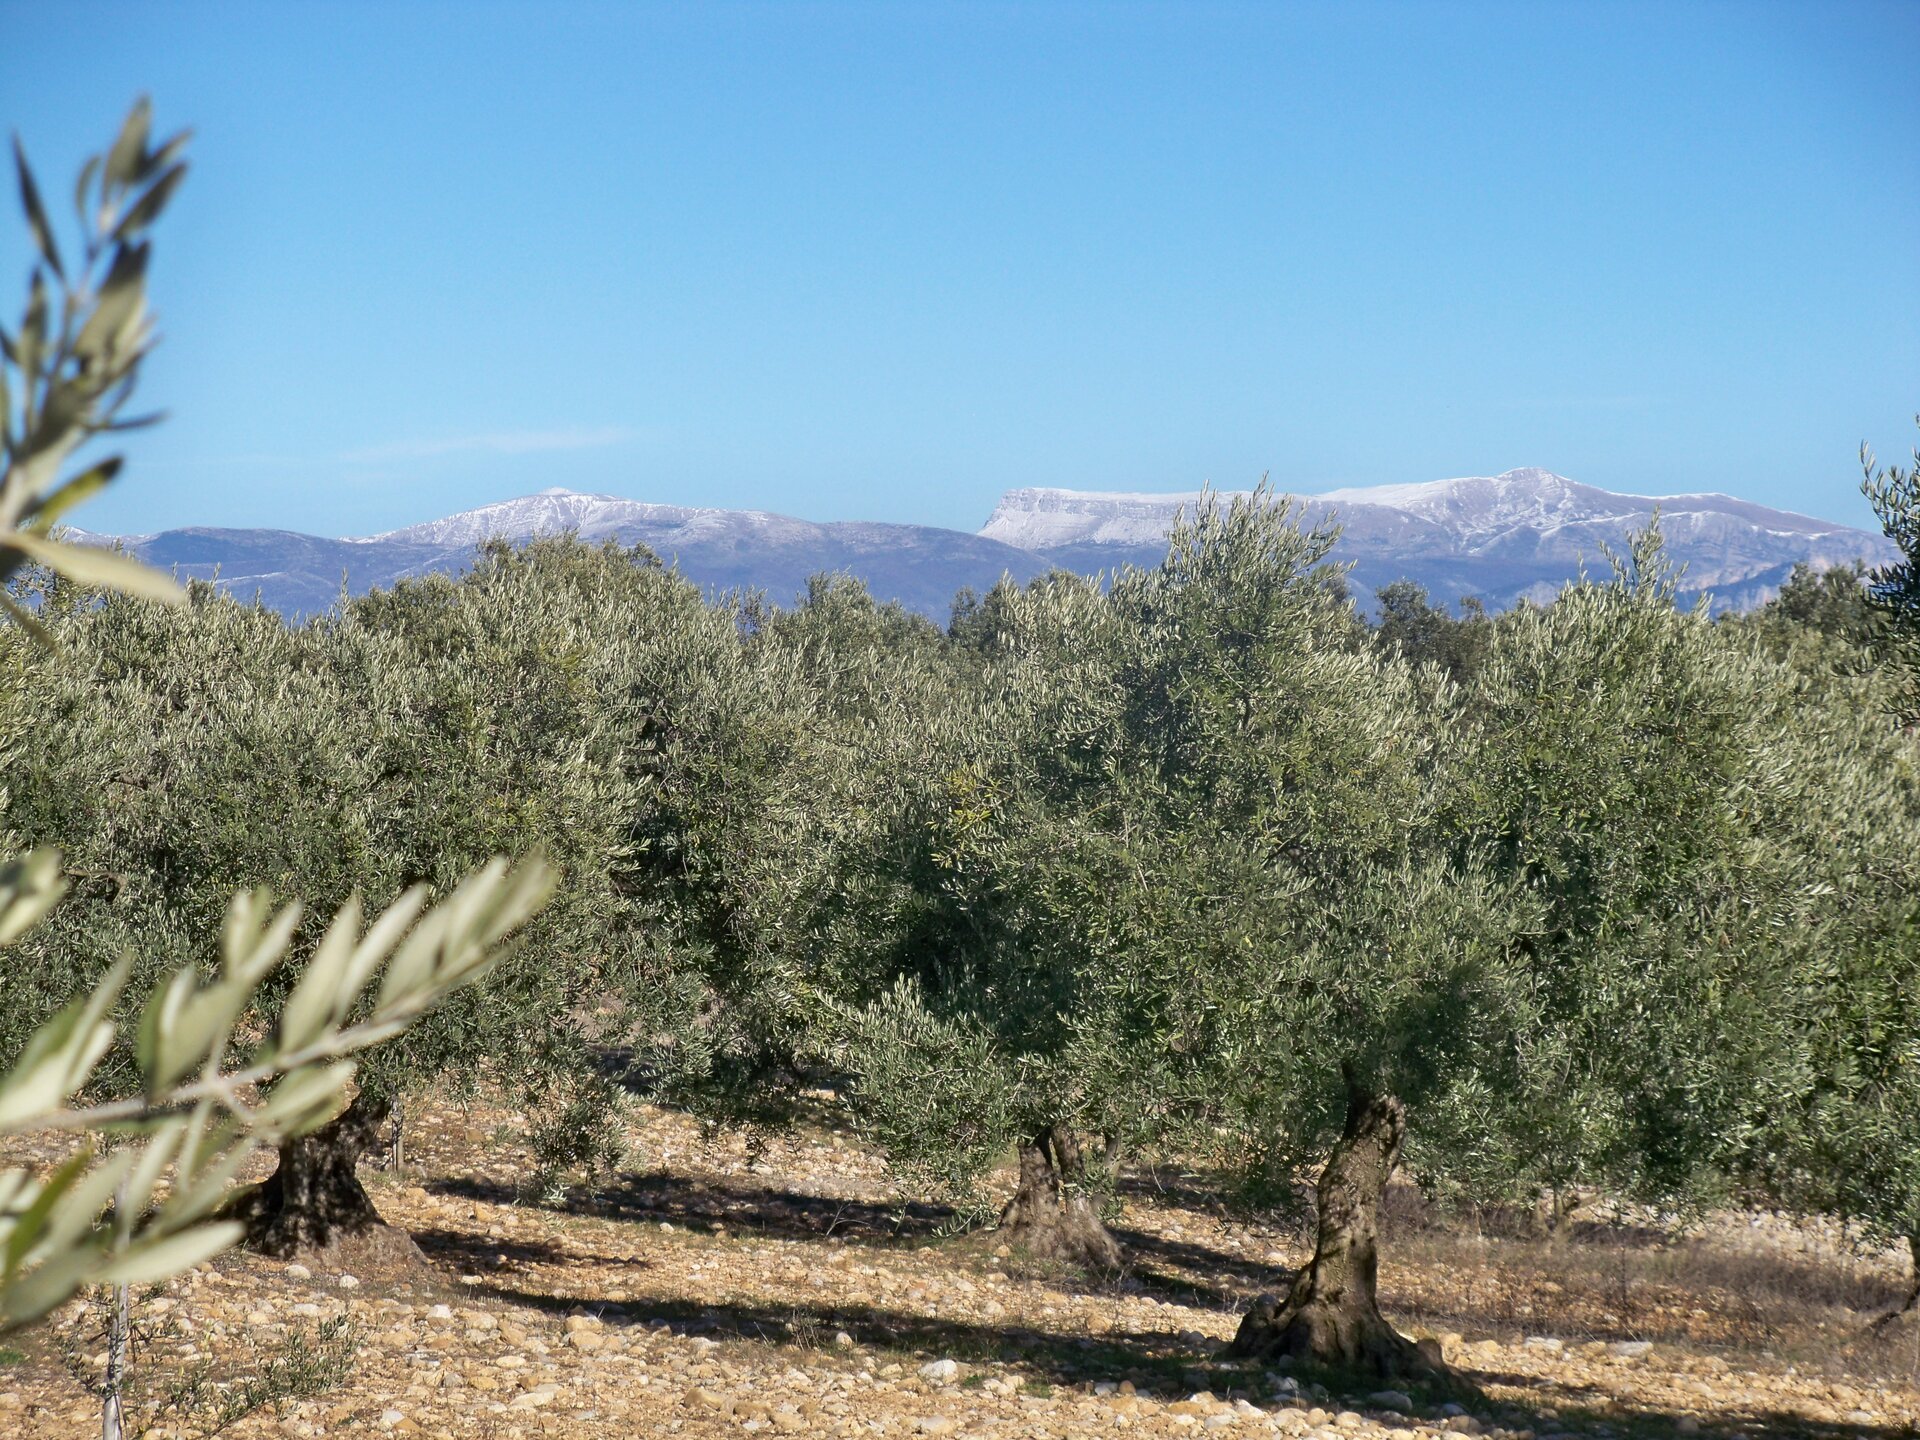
(1051, 1214)
(315, 1197)
(1912, 1302)
(1331, 1314)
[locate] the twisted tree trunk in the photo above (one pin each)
(1331, 1313)
(1051, 1214)
(1912, 1302)
(314, 1197)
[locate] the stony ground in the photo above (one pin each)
(794, 1292)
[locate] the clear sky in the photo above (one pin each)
(885, 261)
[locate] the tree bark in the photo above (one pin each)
(314, 1197)
(1912, 1302)
(1051, 1215)
(1561, 1204)
(1331, 1313)
(112, 1388)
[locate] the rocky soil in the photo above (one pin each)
(793, 1291)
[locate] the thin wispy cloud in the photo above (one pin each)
(502, 442)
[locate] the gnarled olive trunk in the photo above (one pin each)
(314, 1197)
(1051, 1214)
(1912, 1302)
(1331, 1314)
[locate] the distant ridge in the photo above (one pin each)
(1501, 538)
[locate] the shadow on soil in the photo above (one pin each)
(742, 1207)
(1157, 1364)
(1170, 1269)
(1167, 1269)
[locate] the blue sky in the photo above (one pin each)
(886, 261)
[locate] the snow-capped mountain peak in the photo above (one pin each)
(1521, 534)
(548, 512)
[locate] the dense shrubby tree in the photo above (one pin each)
(985, 1034)
(1895, 496)
(1836, 1128)
(1419, 631)
(190, 1105)
(1589, 988)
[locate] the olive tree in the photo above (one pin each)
(191, 1107)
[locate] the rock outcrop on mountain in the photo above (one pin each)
(1500, 538)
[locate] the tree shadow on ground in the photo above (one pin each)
(1157, 1363)
(1167, 1269)
(1193, 1274)
(743, 1207)
(470, 1253)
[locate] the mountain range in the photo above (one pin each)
(1502, 538)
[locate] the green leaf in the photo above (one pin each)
(120, 306)
(168, 151)
(42, 636)
(162, 1058)
(31, 346)
(89, 565)
(81, 487)
(147, 209)
(318, 997)
(80, 1208)
(173, 1255)
(58, 1056)
(30, 1296)
(306, 1099)
(207, 1181)
(247, 957)
(30, 885)
(36, 212)
(32, 1222)
(130, 146)
(87, 173)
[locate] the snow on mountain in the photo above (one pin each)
(1042, 519)
(1522, 533)
(1500, 538)
(548, 513)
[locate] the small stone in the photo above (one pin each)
(348, 1282)
(1687, 1425)
(842, 1339)
(391, 1418)
(1551, 1344)
(298, 1272)
(940, 1372)
(666, 1227)
(935, 1425)
(1630, 1349)
(1391, 1400)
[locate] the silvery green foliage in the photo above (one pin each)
(69, 368)
(197, 1114)
(1837, 1128)
(1895, 496)
(194, 1110)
